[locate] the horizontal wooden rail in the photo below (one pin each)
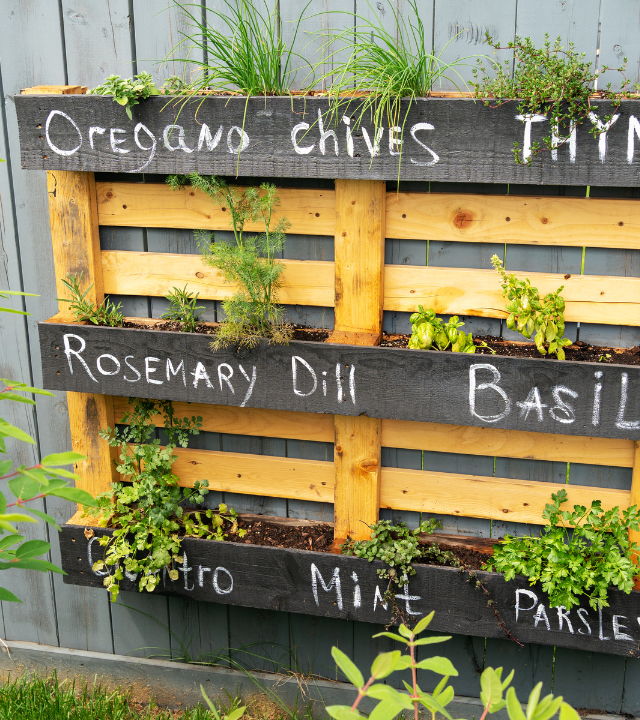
(589, 298)
(459, 217)
(409, 435)
(417, 490)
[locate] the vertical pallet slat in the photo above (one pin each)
(359, 268)
(76, 249)
(634, 535)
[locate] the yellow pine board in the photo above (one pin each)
(589, 298)
(310, 212)
(140, 273)
(514, 220)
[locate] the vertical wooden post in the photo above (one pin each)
(73, 214)
(359, 263)
(634, 535)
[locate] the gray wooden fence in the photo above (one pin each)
(47, 42)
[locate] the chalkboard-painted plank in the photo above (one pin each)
(452, 388)
(291, 580)
(619, 39)
(472, 143)
(459, 35)
(100, 31)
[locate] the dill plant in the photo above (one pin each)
(249, 261)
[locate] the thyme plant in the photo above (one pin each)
(147, 511)
(528, 313)
(579, 553)
(551, 81)
(183, 309)
(429, 331)
(106, 313)
(249, 261)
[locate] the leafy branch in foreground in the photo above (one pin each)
(392, 702)
(248, 262)
(147, 511)
(528, 313)
(579, 553)
(106, 313)
(183, 309)
(550, 82)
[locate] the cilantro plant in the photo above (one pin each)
(147, 511)
(428, 331)
(551, 81)
(249, 261)
(579, 553)
(392, 702)
(528, 313)
(106, 313)
(183, 309)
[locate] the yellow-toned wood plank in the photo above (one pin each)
(310, 212)
(484, 497)
(513, 219)
(55, 90)
(256, 474)
(304, 282)
(357, 476)
(589, 298)
(315, 427)
(506, 443)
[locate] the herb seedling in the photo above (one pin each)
(429, 331)
(249, 262)
(147, 511)
(529, 314)
(183, 309)
(127, 92)
(548, 81)
(579, 553)
(107, 313)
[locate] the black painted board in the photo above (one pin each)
(336, 586)
(441, 139)
(540, 395)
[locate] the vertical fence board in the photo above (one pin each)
(312, 639)
(620, 38)
(589, 680)
(259, 639)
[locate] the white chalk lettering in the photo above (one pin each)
(115, 142)
(324, 135)
(185, 569)
(294, 139)
(339, 381)
(533, 402)
(378, 596)
(395, 140)
(171, 371)
(148, 370)
(130, 366)
(244, 140)
(55, 148)
(620, 421)
(634, 129)
(347, 121)
(205, 137)
(562, 616)
(528, 593)
(406, 597)
(216, 584)
(99, 573)
(601, 634)
(562, 412)
(434, 158)
(251, 382)
(473, 390)
(69, 352)
(540, 616)
(200, 373)
(151, 148)
(352, 383)
(168, 131)
(294, 368)
(556, 141)
(374, 149)
(201, 571)
(225, 378)
(324, 383)
(584, 622)
(527, 120)
(335, 582)
(113, 359)
(617, 626)
(95, 130)
(597, 389)
(603, 129)
(357, 598)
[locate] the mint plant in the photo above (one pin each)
(392, 702)
(183, 309)
(528, 313)
(147, 511)
(106, 313)
(249, 261)
(428, 331)
(578, 554)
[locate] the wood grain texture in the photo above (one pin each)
(156, 205)
(513, 219)
(144, 273)
(589, 298)
(539, 395)
(468, 143)
(323, 584)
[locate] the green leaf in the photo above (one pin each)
(43, 516)
(547, 712)
(16, 517)
(212, 707)
(385, 710)
(65, 458)
(5, 467)
(432, 640)
(236, 714)
(353, 675)
(424, 623)
(41, 565)
(343, 712)
(32, 548)
(568, 713)
(385, 664)
(9, 430)
(440, 665)
(513, 706)
(383, 692)
(405, 632)
(8, 596)
(74, 495)
(10, 540)
(393, 636)
(23, 487)
(533, 700)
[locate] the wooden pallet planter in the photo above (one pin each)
(328, 585)
(375, 397)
